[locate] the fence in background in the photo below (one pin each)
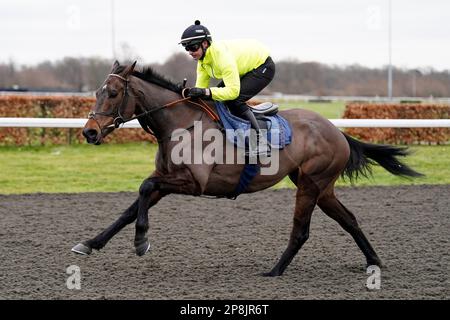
(342, 123)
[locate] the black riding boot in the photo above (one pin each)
(262, 146)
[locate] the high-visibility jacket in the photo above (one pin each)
(229, 60)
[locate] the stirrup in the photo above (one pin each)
(266, 151)
(258, 153)
(261, 149)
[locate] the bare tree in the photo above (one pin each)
(292, 76)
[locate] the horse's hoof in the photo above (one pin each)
(270, 274)
(142, 248)
(82, 249)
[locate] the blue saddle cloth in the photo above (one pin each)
(279, 132)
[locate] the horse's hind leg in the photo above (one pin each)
(336, 210)
(306, 199)
(127, 217)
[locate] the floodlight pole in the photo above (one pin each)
(390, 52)
(113, 30)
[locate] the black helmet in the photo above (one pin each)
(195, 33)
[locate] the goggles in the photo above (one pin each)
(192, 47)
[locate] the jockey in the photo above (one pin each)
(244, 66)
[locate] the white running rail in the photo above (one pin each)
(341, 123)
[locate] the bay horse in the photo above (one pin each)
(317, 156)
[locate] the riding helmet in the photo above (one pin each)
(195, 33)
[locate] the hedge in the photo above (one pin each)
(54, 107)
(79, 107)
(399, 111)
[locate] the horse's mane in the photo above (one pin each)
(148, 74)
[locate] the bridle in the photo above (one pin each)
(118, 118)
(115, 113)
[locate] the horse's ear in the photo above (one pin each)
(128, 70)
(115, 65)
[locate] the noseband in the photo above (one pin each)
(118, 119)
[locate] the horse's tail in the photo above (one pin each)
(364, 155)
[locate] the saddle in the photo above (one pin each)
(263, 110)
(236, 127)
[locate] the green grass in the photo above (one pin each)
(330, 110)
(122, 167)
(432, 161)
(75, 168)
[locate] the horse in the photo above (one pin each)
(317, 156)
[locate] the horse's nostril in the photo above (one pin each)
(90, 134)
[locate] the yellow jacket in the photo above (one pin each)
(229, 60)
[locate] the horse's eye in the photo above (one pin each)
(112, 93)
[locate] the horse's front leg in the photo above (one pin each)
(151, 191)
(148, 197)
(127, 217)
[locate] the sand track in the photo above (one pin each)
(215, 249)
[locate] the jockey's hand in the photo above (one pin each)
(195, 92)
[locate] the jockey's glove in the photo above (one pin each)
(195, 92)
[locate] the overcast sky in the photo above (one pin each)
(333, 32)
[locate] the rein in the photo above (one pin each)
(119, 119)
